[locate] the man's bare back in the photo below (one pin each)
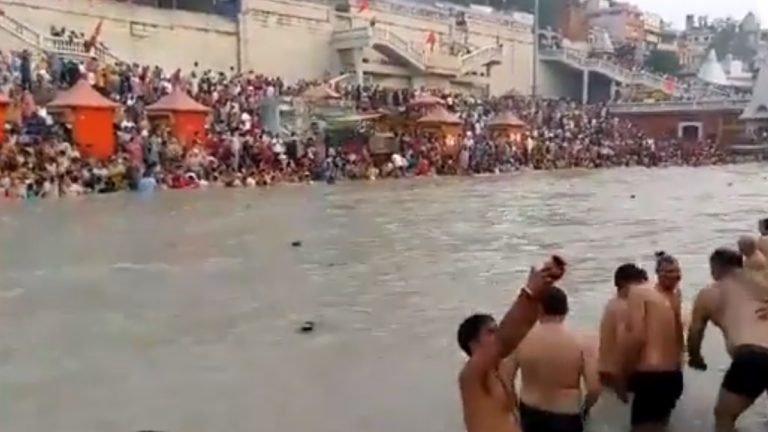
(654, 343)
(655, 311)
(612, 329)
(554, 362)
(736, 312)
(551, 363)
(735, 302)
(613, 324)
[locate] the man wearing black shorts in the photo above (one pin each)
(652, 358)
(734, 303)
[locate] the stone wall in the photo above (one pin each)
(146, 35)
(287, 38)
(277, 37)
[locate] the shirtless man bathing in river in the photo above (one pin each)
(653, 349)
(613, 324)
(487, 401)
(734, 303)
(554, 363)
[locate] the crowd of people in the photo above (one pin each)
(40, 159)
(639, 351)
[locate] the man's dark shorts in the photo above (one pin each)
(537, 420)
(748, 374)
(655, 396)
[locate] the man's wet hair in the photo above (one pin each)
(663, 258)
(470, 330)
(727, 258)
(627, 274)
(555, 302)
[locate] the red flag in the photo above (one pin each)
(670, 85)
(431, 40)
(94, 38)
(363, 5)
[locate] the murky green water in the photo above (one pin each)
(178, 313)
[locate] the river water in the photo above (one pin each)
(178, 312)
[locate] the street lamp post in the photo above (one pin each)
(535, 69)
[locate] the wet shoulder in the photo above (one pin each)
(708, 297)
(640, 293)
(615, 306)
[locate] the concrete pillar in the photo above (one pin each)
(357, 55)
(488, 79)
(243, 58)
(612, 97)
(585, 87)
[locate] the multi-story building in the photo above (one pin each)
(669, 39)
(623, 21)
(696, 40)
(573, 21)
(652, 28)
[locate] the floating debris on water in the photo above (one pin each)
(307, 327)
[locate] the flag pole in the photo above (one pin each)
(535, 67)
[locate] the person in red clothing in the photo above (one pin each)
(422, 167)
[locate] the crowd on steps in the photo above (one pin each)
(39, 158)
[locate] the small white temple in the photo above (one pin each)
(712, 71)
(756, 112)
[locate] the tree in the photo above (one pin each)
(549, 10)
(663, 62)
(731, 40)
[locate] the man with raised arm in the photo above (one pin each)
(486, 399)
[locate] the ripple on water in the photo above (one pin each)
(220, 308)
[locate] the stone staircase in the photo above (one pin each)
(51, 44)
(384, 41)
(486, 56)
(578, 60)
(416, 55)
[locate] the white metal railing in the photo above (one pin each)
(21, 30)
(56, 45)
(609, 68)
(481, 57)
(76, 48)
(695, 105)
(412, 51)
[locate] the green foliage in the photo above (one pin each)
(730, 40)
(663, 62)
(549, 10)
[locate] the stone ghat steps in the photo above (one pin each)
(416, 55)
